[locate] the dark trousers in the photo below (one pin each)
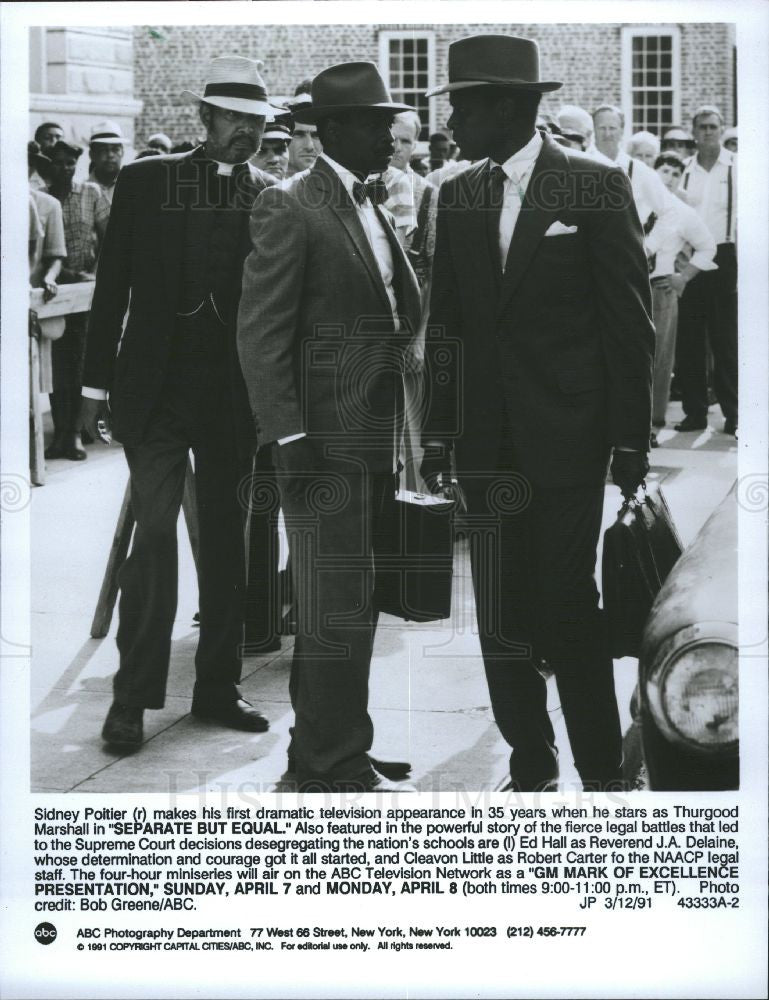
(331, 521)
(707, 314)
(533, 554)
(67, 357)
(195, 414)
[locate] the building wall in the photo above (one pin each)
(586, 57)
(81, 76)
(707, 64)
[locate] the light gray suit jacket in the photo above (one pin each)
(316, 335)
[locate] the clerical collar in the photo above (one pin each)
(225, 169)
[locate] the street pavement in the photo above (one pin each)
(428, 695)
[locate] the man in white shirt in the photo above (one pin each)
(708, 309)
(329, 305)
(654, 209)
(693, 241)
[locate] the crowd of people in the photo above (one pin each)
(317, 214)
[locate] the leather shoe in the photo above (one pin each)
(653, 442)
(55, 449)
(730, 426)
(238, 714)
(394, 770)
(690, 424)
(123, 728)
(370, 783)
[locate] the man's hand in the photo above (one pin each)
(628, 470)
(436, 465)
(678, 284)
(93, 413)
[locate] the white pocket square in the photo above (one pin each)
(558, 229)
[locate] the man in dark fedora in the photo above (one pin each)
(329, 303)
(175, 245)
(541, 297)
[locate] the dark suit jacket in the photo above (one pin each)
(139, 271)
(315, 327)
(563, 341)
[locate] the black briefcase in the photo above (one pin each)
(639, 550)
(414, 556)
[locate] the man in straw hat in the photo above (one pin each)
(541, 292)
(329, 304)
(175, 245)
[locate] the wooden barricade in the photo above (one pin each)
(51, 316)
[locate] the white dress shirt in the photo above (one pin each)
(690, 231)
(517, 169)
(650, 195)
(707, 191)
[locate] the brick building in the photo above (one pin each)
(657, 73)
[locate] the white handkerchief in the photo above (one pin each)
(558, 229)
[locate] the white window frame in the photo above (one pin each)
(631, 31)
(385, 37)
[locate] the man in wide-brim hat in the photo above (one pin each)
(541, 291)
(329, 304)
(175, 246)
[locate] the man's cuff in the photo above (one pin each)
(292, 437)
(91, 393)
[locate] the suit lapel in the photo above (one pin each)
(404, 279)
(539, 209)
(341, 204)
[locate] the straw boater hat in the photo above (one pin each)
(353, 86)
(494, 60)
(234, 83)
(107, 132)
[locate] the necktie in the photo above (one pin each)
(375, 191)
(496, 197)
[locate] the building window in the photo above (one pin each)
(407, 63)
(651, 75)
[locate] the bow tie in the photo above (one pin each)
(375, 191)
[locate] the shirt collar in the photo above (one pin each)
(346, 176)
(725, 156)
(523, 159)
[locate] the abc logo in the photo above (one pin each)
(45, 933)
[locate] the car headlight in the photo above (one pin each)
(693, 688)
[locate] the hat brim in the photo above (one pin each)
(110, 140)
(308, 114)
(241, 104)
(42, 164)
(543, 86)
